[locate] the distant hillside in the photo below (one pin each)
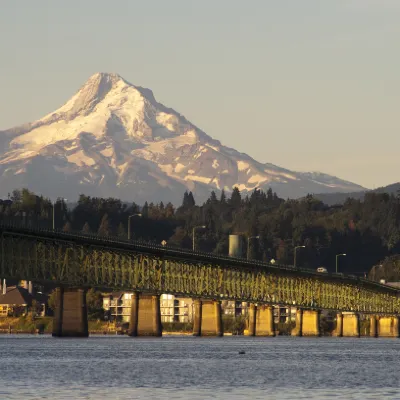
(339, 198)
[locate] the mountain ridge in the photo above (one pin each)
(339, 198)
(113, 139)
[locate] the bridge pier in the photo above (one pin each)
(388, 326)
(339, 325)
(145, 315)
(373, 326)
(207, 318)
(70, 316)
(307, 323)
(311, 323)
(261, 321)
(351, 325)
(298, 329)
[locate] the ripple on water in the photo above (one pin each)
(37, 367)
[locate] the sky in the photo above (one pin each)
(308, 85)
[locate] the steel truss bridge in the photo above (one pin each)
(83, 261)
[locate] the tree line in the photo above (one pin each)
(367, 231)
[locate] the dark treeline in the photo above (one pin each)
(367, 231)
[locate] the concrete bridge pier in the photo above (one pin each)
(339, 325)
(311, 323)
(373, 326)
(307, 323)
(388, 326)
(351, 325)
(347, 325)
(145, 315)
(298, 329)
(207, 318)
(261, 321)
(70, 316)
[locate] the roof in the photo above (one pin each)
(113, 295)
(19, 295)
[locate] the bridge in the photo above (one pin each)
(75, 262)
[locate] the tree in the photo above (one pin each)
(236, 198)
(86, 228)
(104, 229)
(121, 232)
(67, 227)
(94, 303)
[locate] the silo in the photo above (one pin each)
(236, 246)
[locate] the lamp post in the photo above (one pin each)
(129, 223)
(295, 254)
(337, 256)
(194, 234)
(248, 244)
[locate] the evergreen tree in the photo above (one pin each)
(236, 198)
(121, 232)
(104, 229)
(67, 227)
(86, 228)
(222, 199)
(145, 210)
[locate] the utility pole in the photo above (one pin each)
(248, 244)
(337, 256)
(129, 223)
(295, 254)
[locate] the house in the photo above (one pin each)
(17, 300)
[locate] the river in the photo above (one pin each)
(42, 367)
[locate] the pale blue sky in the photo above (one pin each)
(305, 84)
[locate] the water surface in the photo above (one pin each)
(42, 367)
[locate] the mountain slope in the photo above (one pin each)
(339, 198)
(114, 139)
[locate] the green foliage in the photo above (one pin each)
(367, 231)
(184, 327)
(234, 325)
(94, 302)
(389, 270)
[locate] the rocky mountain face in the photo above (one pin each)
(113, 139)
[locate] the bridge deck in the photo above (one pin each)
(90, 261)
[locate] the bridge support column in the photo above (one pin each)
(298, 329)
(351, 325)
(311, 323)
(207, 318)
(70, 316)
(261, 321)
(388, 326)
(145, 315)
(339, 325)
(252, 320)
(373, 326)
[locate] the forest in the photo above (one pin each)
(367, 231)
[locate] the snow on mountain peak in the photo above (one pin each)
(114, 139)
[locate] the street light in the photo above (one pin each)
(194, 233)
(337, 256)
(129, 223)
(248, 244)
(295, 254)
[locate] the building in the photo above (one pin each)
(176, 309)
(17, 300)
(117, 306)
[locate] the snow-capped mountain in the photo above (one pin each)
(113, 139)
